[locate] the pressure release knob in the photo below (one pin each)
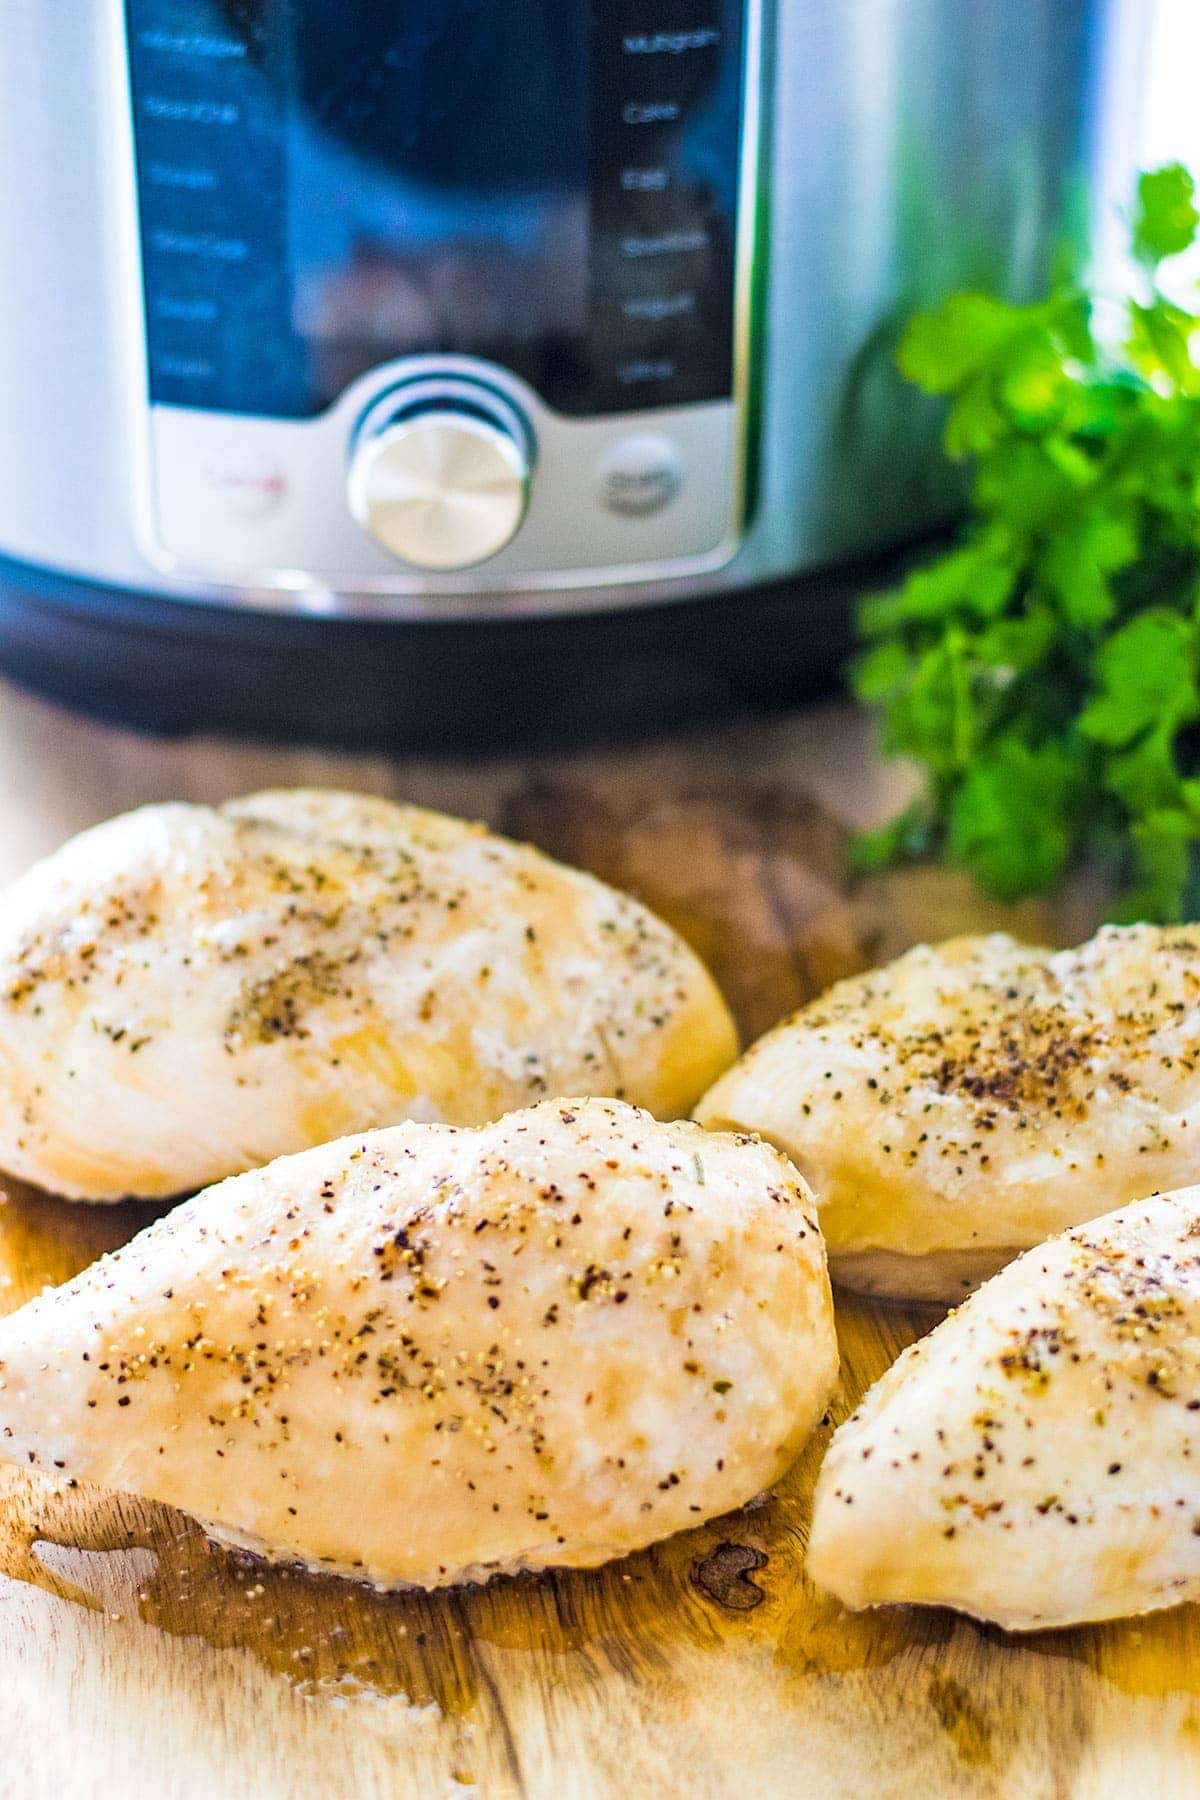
(439, 473)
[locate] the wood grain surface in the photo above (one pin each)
(135, 1659)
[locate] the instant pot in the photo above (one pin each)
(442, 371)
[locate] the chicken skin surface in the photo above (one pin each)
(188, 991)
(1035, 1461)
(972, 1099)
(426, 1354)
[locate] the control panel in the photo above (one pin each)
(536, 206)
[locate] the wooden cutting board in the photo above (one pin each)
(136, 1660)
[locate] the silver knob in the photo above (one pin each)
(441, 481)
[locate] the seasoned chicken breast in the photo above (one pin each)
(970, 1100)
(1035, 1460)
(186, 992)
(426, 1354)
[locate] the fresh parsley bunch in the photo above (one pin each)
(1043, 671)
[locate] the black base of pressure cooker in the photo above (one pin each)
(171, 667)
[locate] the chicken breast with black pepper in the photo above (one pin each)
(427, 1354)
(1035, 1461)
(971, 1099)
(189, 991)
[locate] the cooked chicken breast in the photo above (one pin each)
(186, 992)
(970, 1100)
(1035, 1460)
(426, 1354)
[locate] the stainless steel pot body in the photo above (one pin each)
(861, 157)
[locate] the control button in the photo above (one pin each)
(654, 308)
(665, 243)
(192, 44)
(179, 111)
(182, 368)
(249, 487)
(209, 246)
(640, 474)
(651, 112)
(646, 370)
(651, 178)
(442, 480)
(671, 43)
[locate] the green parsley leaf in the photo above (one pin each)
(1161, 345)
(907, 835)
(1162, 868)
(1009, 821)
(1018, 645)
(1044, 671)
(1165, 218)
(1145, 778)
(881, 672)
(1077, 563)
(1147, 676)
(941, 350)
(975, 580)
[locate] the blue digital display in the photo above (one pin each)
(325, 185)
